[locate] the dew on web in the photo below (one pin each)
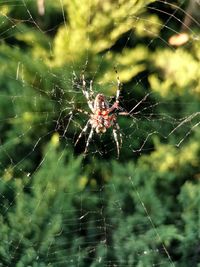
(63, 207)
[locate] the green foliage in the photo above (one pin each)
(183, 76)
(58, 209)
(52, 211)
(34, 227)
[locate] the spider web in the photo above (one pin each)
(44, 119)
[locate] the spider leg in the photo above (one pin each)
(118, 87)
(83, 111)
(116, 132)
(124, 113)
(82, 132)
(116, 104)
(91, 88)
(89, 139)
(87, 95)
(140, 102)
(130, 113)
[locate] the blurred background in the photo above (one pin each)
(60, 207)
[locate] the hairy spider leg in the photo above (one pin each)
(118, 89)
(83, 111)
(116, 132)
(118, 86)
(116, 104)
(89, 139)
(88, 95)
(130, 113)
(91, 89)
(82, 132)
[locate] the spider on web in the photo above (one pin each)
(102, 116)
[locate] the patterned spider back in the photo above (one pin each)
(100, 103)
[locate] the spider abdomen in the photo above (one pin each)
(102, 122)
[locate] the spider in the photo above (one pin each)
(102, 116)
